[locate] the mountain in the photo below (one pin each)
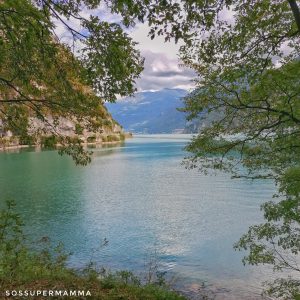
(151, 112)
(203, 120)
(108, 132)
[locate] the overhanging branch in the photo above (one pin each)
(296, 12)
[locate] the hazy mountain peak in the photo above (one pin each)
(151, 111)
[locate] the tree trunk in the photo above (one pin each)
(296, 12)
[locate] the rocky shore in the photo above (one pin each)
(110, 133)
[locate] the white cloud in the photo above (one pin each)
(162, 68)
(140, 34)
(162, 71)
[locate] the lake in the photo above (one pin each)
(141, 199)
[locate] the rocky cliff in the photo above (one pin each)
(108, 132)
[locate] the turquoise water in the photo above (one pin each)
(143, 201)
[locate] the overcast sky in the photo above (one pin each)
(162, 68)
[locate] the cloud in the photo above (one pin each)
(139, 33)
(162, 68)
(162, 71)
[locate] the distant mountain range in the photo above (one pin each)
(151, 112)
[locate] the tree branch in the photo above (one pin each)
(296, 12)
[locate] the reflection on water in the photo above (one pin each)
(140, 197)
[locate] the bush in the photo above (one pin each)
(104, 139)
(78, 129)
(91, 139)
(27, 140)
(49, 141)
(4, 141)
(113, 138)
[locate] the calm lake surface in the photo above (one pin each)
(143, 201)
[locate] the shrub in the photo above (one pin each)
(4, 141)
(113, 138)
(104, 139)
(78, 129)
(49, 141)
(91, 139)
(27, 140)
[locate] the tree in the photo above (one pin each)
(246, 55)
(40, 76)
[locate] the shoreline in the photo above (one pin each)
(14, 147)
(17, 147)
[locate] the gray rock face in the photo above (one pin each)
(111, 132)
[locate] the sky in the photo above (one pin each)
(161, 67)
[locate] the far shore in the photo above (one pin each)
(16, 147)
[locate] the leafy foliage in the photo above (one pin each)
(247, 77)
(246, 55)
(40, 76)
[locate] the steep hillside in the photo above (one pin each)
(108, 131)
